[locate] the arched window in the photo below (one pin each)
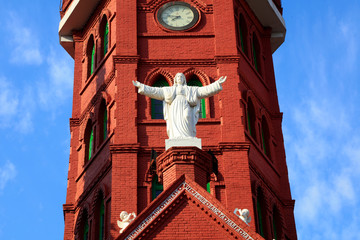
(242, 34)
(89, 139)
(265, 137)
(194, 81)
(259, 217)
(103, 121)
(90, 53)
(250, 117)
(156, 187)
(256, 53)
(100, 218)
(157, 105)
(104, 30)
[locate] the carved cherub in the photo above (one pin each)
(243, 215)
(126, 219)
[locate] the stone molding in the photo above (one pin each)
(153, 5)
(124, 148)
(183, 155)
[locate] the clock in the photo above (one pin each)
(177, 16)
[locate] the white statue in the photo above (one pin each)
(126, 219)
(181, 104)
(243, 215)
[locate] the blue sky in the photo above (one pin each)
(317, 72)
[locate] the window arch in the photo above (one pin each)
(242, 34)
(104, 33)
(89, 139)
(157, 105)
(265, 137)
(256, 53)
(195, 81)
(103, 121)
(90, 54)
(251, 118)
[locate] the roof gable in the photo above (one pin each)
(186, 209)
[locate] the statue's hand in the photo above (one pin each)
(222, 80)
(136, 84)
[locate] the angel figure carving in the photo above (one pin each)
(126, 219)
(181, 104)
(243, 215)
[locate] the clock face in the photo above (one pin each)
(177, 16)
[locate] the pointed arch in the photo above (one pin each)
(199, 78)
(104, 36)
(251, 118)
(151, 78)
(157, 105)
(90, 55)
(242, 34)
(89, 140)
(256, 53)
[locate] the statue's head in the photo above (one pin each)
(245, 213)
(123, 215)
(179, 79)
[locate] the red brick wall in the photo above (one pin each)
(138, 47)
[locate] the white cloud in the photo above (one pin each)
(8, 99)
(16, 107)
(7, 173)
(23, 41)
(58, 86)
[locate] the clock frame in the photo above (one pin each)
(186, 27)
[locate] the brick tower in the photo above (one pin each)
(118, 160)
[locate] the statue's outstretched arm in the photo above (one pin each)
(152, 92)
(212, 89)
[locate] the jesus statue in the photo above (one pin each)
(181, 104)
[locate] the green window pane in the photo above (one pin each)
(241, 37)
(157, 105)
(195, 82)
(92, 66)
(156, 187)
(208, 187)
(106, 38)
(248, 122)
(263, 140)
(274, 228)
(255, 57)
(105, 123)
(258, 208)
(102, 221)
(86, 230)
(91, 143)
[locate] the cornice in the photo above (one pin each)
(124, 148)
(234, 146)
(227, 59)
(74, 122)
(126, 59)
(178, 62)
